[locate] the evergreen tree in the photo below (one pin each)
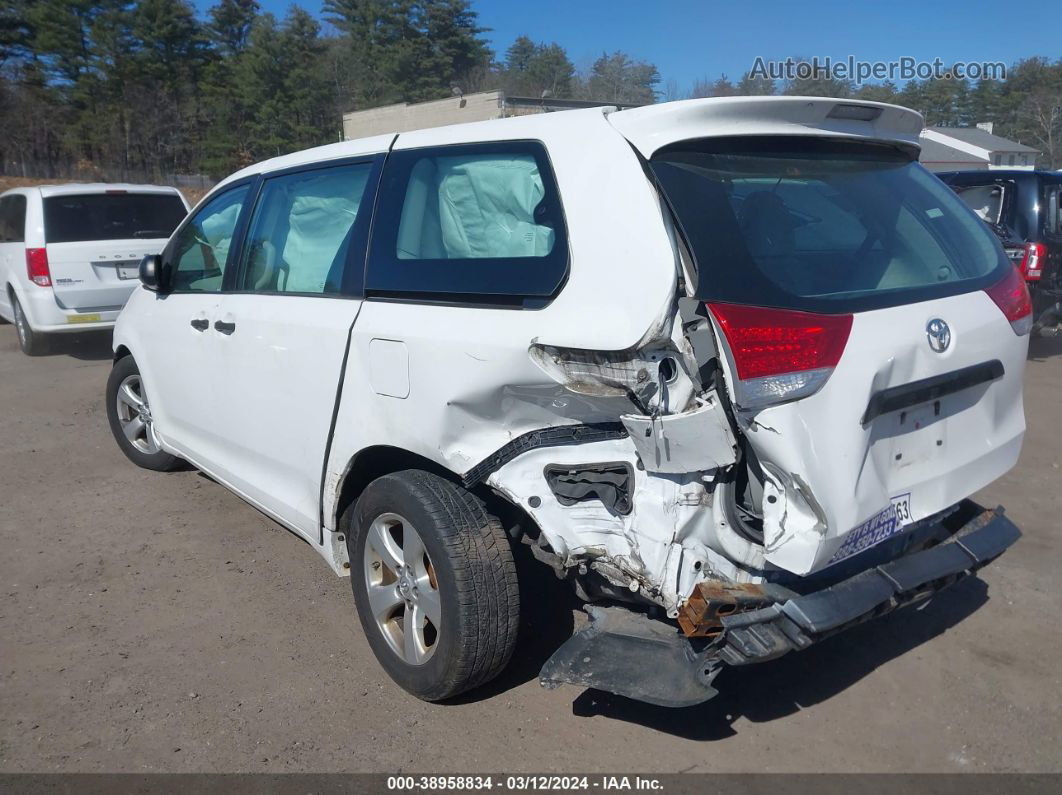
(313, 118)
(819, 83)
(227, 108)
(378, 42)
(230, 25)
(750, 86)
(619, 78)
(878, 92)
(170, 63)
(450, 48)
(537, 70)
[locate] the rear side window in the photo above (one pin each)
(472, 221)
(13, 218)
(111, 216)
(302, 230)
(821, 225)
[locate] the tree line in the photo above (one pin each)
(151, 88)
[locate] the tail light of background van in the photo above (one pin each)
(1012, 297)
(1029, 260)
(778, 354)
(37, 267)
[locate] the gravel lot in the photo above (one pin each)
(157, 623)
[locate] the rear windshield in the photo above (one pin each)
(821, 225)
(111, 216)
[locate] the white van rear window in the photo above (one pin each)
(111, 216)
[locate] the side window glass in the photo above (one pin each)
(6, 219)
(474, 207)
(201, 248)
(479, 220)
(13, 219)
(302, 229)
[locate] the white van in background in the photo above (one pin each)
(69, 253)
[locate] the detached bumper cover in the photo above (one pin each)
(631, 655)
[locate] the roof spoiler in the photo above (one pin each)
(653, 127)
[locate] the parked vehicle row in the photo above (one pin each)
(730, 367)
(70, 254)
(1024, 209)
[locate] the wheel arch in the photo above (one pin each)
(14, 292)
(120, 353)
(374, 462)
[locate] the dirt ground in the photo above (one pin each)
(155, 622)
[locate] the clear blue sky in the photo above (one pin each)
(688, 39)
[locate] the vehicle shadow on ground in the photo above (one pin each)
(773, 690)
(1044, 348)
(91, 346)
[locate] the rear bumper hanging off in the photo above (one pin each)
(632, 655)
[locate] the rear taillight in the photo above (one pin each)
(1012, 297)
(1032, 261)
(779, 354)
(37, 267)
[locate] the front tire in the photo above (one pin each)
(129, 415)
(32, 343)
(434, 583)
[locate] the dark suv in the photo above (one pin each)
(1024, 208)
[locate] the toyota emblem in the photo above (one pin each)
(939, 335)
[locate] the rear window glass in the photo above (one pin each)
(111, 216)
(822, 226)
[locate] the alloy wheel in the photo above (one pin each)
(20, 324)
(402, 588)
(134, 416)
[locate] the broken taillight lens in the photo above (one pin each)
(780, 354)
(1012, 297)
(37, 267)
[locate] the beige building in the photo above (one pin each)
(482, 106)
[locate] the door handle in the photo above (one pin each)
(224, 328)
(200, 324)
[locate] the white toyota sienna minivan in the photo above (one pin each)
(69, 254)
(730, 367)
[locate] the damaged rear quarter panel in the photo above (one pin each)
(657, 549)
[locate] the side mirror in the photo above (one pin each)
(150, 271)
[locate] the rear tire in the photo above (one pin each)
(439, 565)
(32, 343)
(129, 415)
